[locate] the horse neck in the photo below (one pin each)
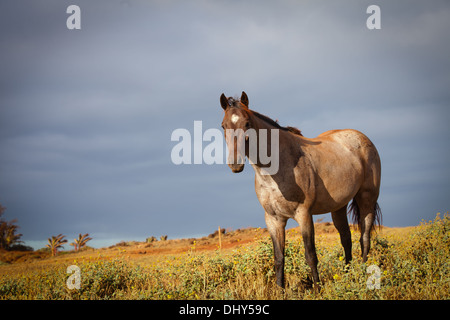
(289, 146)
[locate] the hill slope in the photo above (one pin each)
(410, 263)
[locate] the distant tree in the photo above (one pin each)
(151, 239)
(8, 229)
(163, 238)
(56, 242)
(21, 247)
(81, 241)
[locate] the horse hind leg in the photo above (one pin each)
(366, 212)
(341, 223)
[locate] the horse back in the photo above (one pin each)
(352, 140)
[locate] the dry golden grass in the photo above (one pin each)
(413, 264)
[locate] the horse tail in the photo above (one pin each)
(353, 210)
(378, 216)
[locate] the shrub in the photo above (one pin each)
(414, 266)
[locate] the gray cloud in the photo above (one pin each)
(86, 116)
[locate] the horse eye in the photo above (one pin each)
(247, 125)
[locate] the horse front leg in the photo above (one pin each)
(276, 226)
(305, 220)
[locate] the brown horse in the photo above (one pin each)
(314, 176)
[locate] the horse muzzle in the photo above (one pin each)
(236, 168)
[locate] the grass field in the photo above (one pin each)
(412, 263)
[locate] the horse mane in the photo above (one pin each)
(236, 103)
(293, 130)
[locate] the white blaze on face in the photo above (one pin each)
(234, 118)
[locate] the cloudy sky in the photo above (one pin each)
(86, 115)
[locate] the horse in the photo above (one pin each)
(315, 176)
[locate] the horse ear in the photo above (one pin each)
(244, 99)
(224, 102)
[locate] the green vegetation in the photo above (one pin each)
(412, 265)
(9, 238)
(81, 241)
(55, 243)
